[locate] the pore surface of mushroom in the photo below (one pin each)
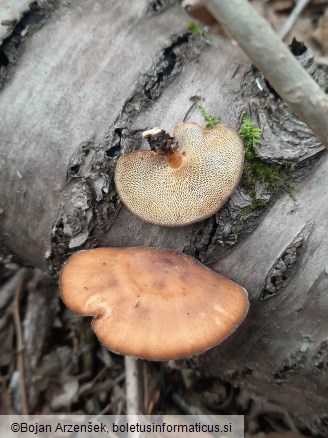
(210, 164)
(150, 303)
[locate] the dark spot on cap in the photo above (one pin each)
(160, 285)
(112, 283)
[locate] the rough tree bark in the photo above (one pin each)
(273, 59)
(84, 87)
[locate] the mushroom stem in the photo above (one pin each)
(162, 143)
(173, 159)
(133, 386)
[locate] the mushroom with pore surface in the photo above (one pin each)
(185, 183)
(150, 303)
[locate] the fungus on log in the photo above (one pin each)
(64, 123)
(185, 185)
(150, 303)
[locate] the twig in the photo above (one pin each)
(321, 60)
(19, 337)
(117, 380)
(7, 401)
(289, 23)
(106, 409)
(189, 111)
(198, 415)
(290, 421)
(273, 58)
(185, 408)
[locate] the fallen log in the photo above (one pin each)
(84, 87)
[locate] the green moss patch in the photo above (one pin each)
(273, 176)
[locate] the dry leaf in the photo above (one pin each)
(320, 34)
(199, 12)
(283, 5)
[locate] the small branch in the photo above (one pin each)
(321, 60)
(19, 337)
(185, 408)
(189, 111)
(289, 23)
(272, 57)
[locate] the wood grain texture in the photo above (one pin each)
(77, 71)
(283, 344)
(86, 85)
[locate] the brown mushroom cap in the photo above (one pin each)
(151, 303)
(212, 165)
